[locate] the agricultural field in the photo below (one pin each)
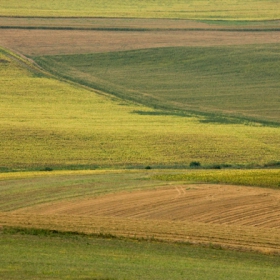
(139, 140)
(50, 123)
(58, 256)
(126, 222)
(251, 10)
(142, 204)
(191, 79)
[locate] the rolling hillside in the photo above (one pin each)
(46, 122)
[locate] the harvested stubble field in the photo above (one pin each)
(209, 204)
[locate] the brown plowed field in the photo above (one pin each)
(229, 216)
(215, 204)
(50, 42)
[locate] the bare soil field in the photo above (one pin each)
(215, 204)
(230, 216)
(50, 42)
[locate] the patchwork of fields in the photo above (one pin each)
(49, 123)
(137, 205)
(105, 108)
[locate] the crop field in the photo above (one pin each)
(262, 178)
(134, 24)
(58, 256)
(251, 10)
(52, 42)
(241, 81)
(139, 139)
(195, 67)
(44, 36)
(57, 124)
(137, 205)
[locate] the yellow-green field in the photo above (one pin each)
(210, 9)
(262, 178)
(46, 122)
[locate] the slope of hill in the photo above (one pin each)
(46, 122)
(240, 81)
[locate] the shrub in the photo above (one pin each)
(47, 169)
(195, 164)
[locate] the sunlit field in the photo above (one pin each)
(49, 123)
(249, 10)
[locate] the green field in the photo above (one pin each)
(238, 81)
(233, 10)
(76, 257)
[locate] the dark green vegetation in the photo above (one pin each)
(225, 84)
(61, 256)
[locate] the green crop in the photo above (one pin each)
(239, 81)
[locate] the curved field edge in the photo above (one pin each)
(49, 123)
(26, 189)
(251, 10)
(221, 84)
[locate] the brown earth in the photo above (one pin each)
(215, 204)
(51, 42)
(229, 216)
